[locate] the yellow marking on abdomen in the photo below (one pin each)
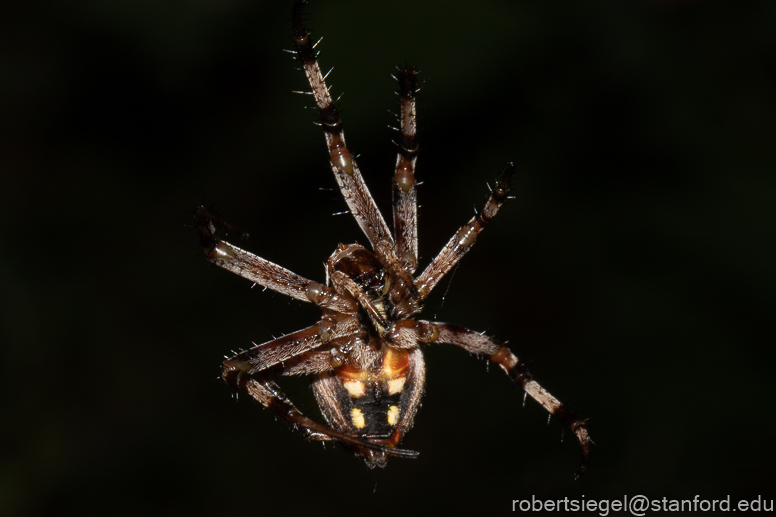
(393, 415)
(355, 388)
(396, 385)
(358, 418)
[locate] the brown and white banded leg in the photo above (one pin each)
(405, 208)
(351, 183)
(496, 352)
(266, 355)
(465, 236)
(263, 272)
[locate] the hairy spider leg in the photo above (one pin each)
(493, 350)
(265, 273)
(266, 355)
(464, 238)
(349, 179)
(405, 204)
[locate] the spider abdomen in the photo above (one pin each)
(369, 399)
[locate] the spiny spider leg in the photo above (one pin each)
(464, 238)
(269, 395)
(349, 178)
(264, 356)
(483, 345)
(405, 208)
(266, 273)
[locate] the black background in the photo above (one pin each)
(633, 273)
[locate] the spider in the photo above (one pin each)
(364, 355)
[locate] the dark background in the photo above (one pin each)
(634, 271)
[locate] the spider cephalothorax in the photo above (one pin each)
(364, 355)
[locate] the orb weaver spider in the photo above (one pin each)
(364, 355)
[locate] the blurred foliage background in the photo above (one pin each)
(633, 272)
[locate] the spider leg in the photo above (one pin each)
(496, 352)
(405, 208)
(464, 238)
(266, 273)
(252, 371)
(349, 179)
(266, 355)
